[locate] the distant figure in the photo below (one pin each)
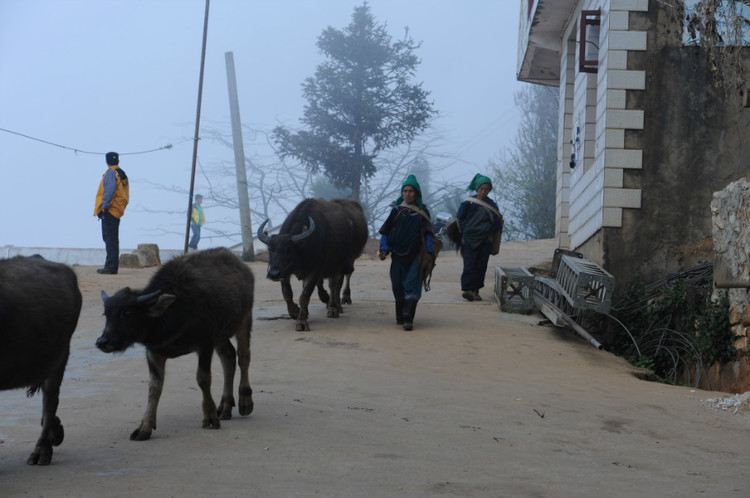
(111, 200)
(405, 235)
(196, 222)
(479, 219)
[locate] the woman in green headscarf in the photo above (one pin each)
(479, 218)
(403, 234)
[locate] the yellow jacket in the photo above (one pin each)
(113, 196)
(198, 217)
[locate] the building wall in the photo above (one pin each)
(658, 137)
(693, 142)
(594, 191)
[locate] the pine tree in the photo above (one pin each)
(359, 102)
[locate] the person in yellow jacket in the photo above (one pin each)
(196, 222)
(111, 200)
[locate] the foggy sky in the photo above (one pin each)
(101, 75)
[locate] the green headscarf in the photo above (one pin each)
(479, 180)
(411, 181)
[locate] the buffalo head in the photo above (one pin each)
(128, 315)
(282, 249)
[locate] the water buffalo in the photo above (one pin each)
(39, 307)
(193, 303)
(319, 239)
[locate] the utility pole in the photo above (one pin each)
(246, 227)
(197, 128)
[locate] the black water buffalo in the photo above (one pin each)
(39, 307)
(319, 239)
(193, 303)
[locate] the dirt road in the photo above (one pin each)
(473, 403)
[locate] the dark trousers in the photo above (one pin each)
(405, 281)
(475, 265)
(111, 237)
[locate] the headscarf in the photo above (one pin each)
(411, 181)
(479, 180)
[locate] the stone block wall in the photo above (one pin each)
(730, 214)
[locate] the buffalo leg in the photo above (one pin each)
(334, 304)
(286, 291)
(203, 376)
(346, 293)
(52, 430)
(308, 286)
(228, 357)
(322, 294)
(243, 358)
(156, 371)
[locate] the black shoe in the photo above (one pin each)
(106, 271)
(468, 295)
(477, 297)
(410, 309)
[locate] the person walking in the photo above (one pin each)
(405, 235)
(197, 219)
(111, 200)
(478, 219)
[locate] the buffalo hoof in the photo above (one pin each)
(140, 435)
(302, 326)
(225, 408)
(346, 300)
(246, 402)
(42, 455)
(333, 313)
(211, 423)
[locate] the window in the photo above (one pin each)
(588, 55)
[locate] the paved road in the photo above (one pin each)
(472, 403)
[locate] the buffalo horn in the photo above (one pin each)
(146, 297)
(305, 233)
(262, 235)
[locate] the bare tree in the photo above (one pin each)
(275, 186)
(721, 28)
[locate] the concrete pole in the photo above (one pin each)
(246, 227)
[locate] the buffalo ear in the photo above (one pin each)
(161, 305)
(104, 296)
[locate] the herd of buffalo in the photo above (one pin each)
(194, 303)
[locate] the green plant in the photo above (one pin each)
(714, 338)
(673, 327)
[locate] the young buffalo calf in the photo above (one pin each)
(194, 303)
(39, 307)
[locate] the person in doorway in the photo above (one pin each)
(197, 219)
(478, 219)
(404, 235)
(111, 200)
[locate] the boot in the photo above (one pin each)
(400, 311)
(476, 296)
(410, 308)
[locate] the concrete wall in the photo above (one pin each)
(72, 256)
(693, 142)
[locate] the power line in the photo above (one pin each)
(80, 151)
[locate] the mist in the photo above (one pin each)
(81, 78)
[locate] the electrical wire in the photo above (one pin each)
(81, 151)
